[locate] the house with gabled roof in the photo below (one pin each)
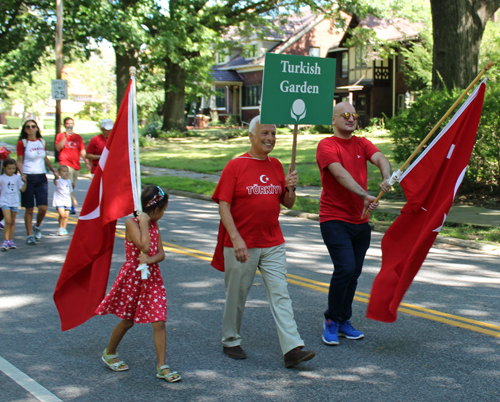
(372, 83)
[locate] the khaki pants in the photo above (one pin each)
(238, 280)
(73, 176)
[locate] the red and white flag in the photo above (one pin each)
(112, 195)
(430, 185)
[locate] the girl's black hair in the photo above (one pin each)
(155, 194)
(9, 161)
(24, 135)
(66, 119)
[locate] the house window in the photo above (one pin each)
(253, 51)
(360, 56)
(251, 95)
(345, 64)
(222, 57)
(314, 51)
(220, 98)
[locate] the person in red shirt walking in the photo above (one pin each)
(342, 161)
(97, 144)
(71, 147)
(249, 193)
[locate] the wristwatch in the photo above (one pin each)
(288, 190)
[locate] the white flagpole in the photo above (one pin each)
(136, 135)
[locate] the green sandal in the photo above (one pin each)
(118, 366)
(173, 376)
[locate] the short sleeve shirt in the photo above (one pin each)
(9, 190)
(255, 189)
(338, 203)
(62, 193)
(33, 156)
(70, 154)
(95, 147)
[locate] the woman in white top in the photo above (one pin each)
(32, 161)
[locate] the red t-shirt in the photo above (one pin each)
(338, 203)
(95, 147)
(70, 154)
(254, 188)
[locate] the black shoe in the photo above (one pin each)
(235, 352)
(296, 356)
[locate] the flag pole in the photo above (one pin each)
(132, 71)
(396, 175)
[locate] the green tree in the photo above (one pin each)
(31, 96)
(26, 29)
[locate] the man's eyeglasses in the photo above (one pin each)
(31, 126)
(347, 115)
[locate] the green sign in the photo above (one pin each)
(297, 90)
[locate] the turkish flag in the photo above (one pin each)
(112, 195)
(430, 185)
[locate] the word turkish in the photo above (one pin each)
(271, 189)
(301, 68)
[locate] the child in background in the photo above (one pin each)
(10, 186)
(63, 196)
(136, 300)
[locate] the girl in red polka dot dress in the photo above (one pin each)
(137, 300)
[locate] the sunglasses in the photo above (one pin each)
(347, 115)
(30, 126)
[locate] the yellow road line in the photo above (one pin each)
(422, 312)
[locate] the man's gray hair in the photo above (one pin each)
(255, 121)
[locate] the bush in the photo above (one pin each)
(173, 133)
(322, 129)
(146, 141)
(13, 122)
(214, 123)
(376, 124)
(232, 120)
(411, 126)
(154, 129)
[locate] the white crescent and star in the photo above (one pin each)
(264, 179)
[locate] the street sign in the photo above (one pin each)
(297, 90)
(59, 89)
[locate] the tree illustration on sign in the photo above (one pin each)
(298, 110)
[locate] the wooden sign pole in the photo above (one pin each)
(294, 147)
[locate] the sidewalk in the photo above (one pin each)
(462, 214)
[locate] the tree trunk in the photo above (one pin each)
(175, 100)
(458, 27)
(123, 63)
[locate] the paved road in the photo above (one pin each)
(445, 346)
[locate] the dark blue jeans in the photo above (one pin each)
(347, 244)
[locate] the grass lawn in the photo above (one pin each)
(206, 155)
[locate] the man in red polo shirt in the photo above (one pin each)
(342, 161)
(71, 147)
(249, 194)
(97, 144)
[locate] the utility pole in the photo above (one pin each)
(59, 65)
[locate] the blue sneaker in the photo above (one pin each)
(331, 332)
(348, 331)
